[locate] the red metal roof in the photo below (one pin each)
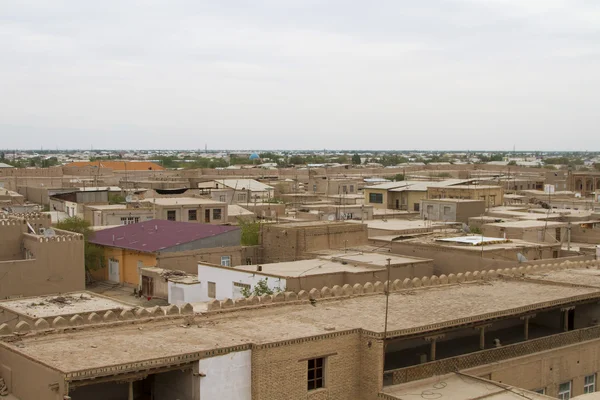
(156, 234)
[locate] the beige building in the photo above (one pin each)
(116, 214)
(347, 268)
(35, 260)
(451, 210)
(403, 195)
(516, 336)
(296, 240)
(529, 230)
(238, 191)
(454, 254)
(491, 195)
(188, 209)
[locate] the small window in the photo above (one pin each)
(192, 215)
(241, 197)
(212, 290)
(226, 261)
(223, 198)
(171, 215)
(217, 213)
(376, 198)
(316, 369)
(564, 391)
(417, 207)
(540, 391)
(589, 384)
(248, 260)
(242, 285)
(351, 188)
(344, 189)
(447, 210)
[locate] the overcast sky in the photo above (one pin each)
(308, 74)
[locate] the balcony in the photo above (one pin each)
(465, 361)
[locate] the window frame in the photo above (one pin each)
(194, 213)
(376, 198)
(315, 365)
(217, 214)
(228, 261)
(565, 395)
(586, 385)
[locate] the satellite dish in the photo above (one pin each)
(331, 217)
(129, 198)
(49, 232)
(465, 228)
(521, 258)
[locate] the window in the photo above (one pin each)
(212, 290)
(241, 197)
(226, 261)
(315, 373)
(217, 213)
(351, 188)
(171, 215)
(416, 207)
(376, 198)
(564, 391)
(223, 198)
(248, 260)
(192, 215)
(492, 200)
(540, 391)
(314, 188)
(344, 189)
(242, 285)
(129, 220)
(589, 384)
(447, 210)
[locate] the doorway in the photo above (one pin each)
(113, 271)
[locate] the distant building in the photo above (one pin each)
(118, 165)
(188, 209)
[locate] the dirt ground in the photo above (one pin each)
(125, 294)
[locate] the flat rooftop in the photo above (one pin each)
(459, 387)
(575, 276)
(426, 308)
(512, 244)
(181, 201)
(530, 223)
(308, 224)
(403, 224)
(351, 262)
(63, 304)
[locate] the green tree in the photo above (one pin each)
(259, 289)
(94, 255)
(114, 198)
(250, 232)
(398, 177)
(356, 159)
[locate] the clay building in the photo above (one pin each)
(327, 270)
(525, 336)
(296, 240)
(188, 209)
(529, 230)
(491, 195)
(455, 254)
(35, 260)
(452, 210)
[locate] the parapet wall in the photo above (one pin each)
(106, 317)
(395, 286)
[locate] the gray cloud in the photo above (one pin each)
(452, 74)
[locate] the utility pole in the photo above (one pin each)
(387, 303)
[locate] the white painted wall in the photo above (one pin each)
(180, 293)
(224, 279)
(227, 377)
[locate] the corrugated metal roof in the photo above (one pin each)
(155, 235)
